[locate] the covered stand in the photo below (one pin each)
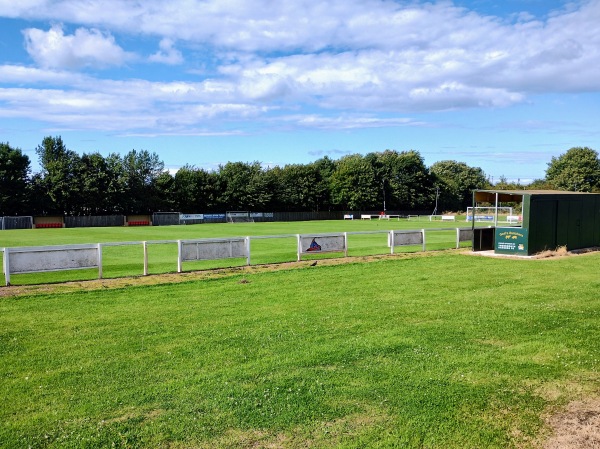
(550, 219)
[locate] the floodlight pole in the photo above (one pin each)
(383, 187)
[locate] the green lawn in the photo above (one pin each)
(119, 261)
(439, 350)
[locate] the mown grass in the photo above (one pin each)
(441, 350)
(119, 261)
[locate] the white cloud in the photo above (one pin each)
(124, 106)
(29, 75)
(347, 121)
(167, 54)
(85, 48)
(292, 57)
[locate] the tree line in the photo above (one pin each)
(137, 182)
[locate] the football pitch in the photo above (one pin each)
(430, 350)
(270, 243)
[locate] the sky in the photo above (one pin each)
(504, 85)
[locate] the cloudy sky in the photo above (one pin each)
(499, 84)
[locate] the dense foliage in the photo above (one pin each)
(14, 179)
(577, 170)
(137, 182)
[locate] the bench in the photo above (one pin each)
(348, 217)
(513, 218)
(368, 216)
(138, 223)
(49, 225)
(448, 217)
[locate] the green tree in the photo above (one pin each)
(116, 202)
(94, 180)
(185, 189)
(504, 184)
(14, 180)
(405, 180)
(299, 187)
(163, 191)
(245, 186)
(142, 170)
(353, 184)
(195, 190)
(539, 184)
(324, 167)
(59, 176)
(577, 170)
(456, 181)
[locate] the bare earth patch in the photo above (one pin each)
(576, 427)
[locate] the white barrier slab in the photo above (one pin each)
(406, 238)
(213, 249)
(184, 217)
(323, 243)
(35, 259)
(463, 235)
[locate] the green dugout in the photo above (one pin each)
(549, 219)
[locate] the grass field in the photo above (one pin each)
(430, 350)
(437, 350)
(127, 260)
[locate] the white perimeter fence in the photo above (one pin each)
(38, 259)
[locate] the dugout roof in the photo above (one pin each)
(515, 196)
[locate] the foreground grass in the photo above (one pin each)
(436, 351)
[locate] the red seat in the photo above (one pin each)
(49, 225)
(138, 223)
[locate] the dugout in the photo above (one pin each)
(550, 219)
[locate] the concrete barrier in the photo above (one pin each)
(213, 249)
(322, 243)
(34, 259)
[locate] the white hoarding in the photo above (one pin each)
(406, 238)
(183, 217)
(213, 249)
(325, 243)
(464, 235)
(50, 258)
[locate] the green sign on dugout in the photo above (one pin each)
(511, 241)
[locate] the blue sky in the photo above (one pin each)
(504, 85)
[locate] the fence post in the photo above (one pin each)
(423, 231)
(299, 248)
(345, 244)
(6, 266)
(99, 260)
(179, 256)
(145, 247)
(248, 250)
(391, 241)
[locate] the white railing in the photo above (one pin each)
(22, 260)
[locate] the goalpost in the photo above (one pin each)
(16, 222)
(165, 218)
(490, 214)
(239, 217)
